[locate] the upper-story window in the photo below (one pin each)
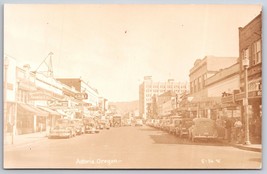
(257, 52)
(245, 55)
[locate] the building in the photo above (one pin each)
(167, 103)
(224, 83)
(103, 105)
(250, 47)
(205, 88)
(149, 88)
(92, 96)
(21, 115)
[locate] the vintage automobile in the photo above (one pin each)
(174, 124)
(138, 122)
(91, 128)
(63, 129)
(78, 126)
(107, 125)
(165, 124)
(156, 123)
(117, 121)
(203, 128)
(183, 128)
(60, 131)
(127, 122)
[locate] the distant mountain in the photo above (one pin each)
(124, 107)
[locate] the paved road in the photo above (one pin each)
(128, 147)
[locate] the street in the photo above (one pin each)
(128, 147)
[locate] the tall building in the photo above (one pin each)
(204, 77)
(149, 88)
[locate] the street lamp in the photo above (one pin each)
(245, 63)
(189, 99)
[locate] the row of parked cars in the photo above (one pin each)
(197, 128)
(67, 128)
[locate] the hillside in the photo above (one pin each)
(124, 107)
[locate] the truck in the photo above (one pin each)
(116, 121)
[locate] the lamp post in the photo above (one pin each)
(189, 99)
(245, 63)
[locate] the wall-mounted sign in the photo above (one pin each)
(81, 96)
(39, 95)
(57, 103)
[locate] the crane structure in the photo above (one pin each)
(47, 64)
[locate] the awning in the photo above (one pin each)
(61, 112)
(50, 111)
(22, 108)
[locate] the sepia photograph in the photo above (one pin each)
(132, 86)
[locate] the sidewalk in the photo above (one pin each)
(21, 140)
(251, 147)
(254, 146)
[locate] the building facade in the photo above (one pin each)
(34, 100)
(207, 82)
(149, 88)
(84, 88)
(250, 47)
(224, 82)
(167, 103)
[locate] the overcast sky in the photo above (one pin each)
(113, 46)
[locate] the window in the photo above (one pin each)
(257, 52)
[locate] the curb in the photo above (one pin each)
(244, 147)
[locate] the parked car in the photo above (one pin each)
(138, 122)
(156, 123)
(172, 127)
(166, 124)
(107, 125)
(127, 122)
(90, 125)
(203, 128)
(117, 121)
(91, 128)
(183, 128)
(63, 129)
(78, 126)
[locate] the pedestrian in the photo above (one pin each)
(238, 127)
(228, 126)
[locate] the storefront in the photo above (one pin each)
(30, 119)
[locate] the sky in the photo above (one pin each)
(112, 47)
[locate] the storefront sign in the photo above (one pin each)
(39, 96)
(57, 103)
(81, 96)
